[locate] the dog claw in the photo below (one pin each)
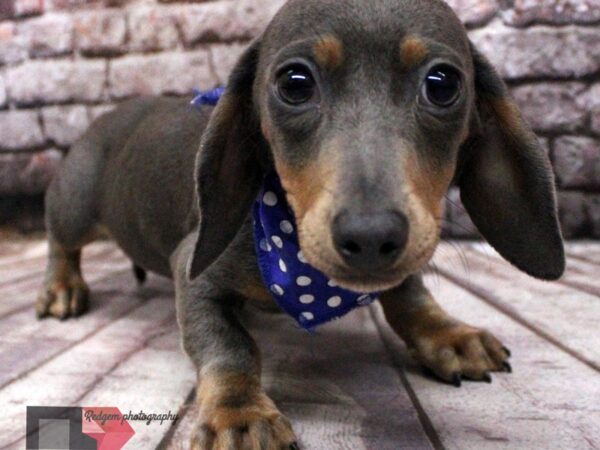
(507, 367)
(460, 353)
(507, 351)
(457, 380)
(294, 446)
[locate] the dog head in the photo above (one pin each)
(368, 111)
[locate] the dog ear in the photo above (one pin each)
(228, 170)
(506, 181)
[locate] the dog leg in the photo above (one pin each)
(448, 347)
(72, 222)
(64, 293)
(233, 408)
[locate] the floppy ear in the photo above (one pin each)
(228, 169)
(506, 181)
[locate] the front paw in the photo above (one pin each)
(255, 425)
(455, 351)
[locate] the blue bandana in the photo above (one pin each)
(302, 291)
(299, 289)
(202, 98)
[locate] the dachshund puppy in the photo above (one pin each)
(366, 111)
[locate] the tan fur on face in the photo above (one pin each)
(428, 183)
(423, 190)
(329, 52)
(413, 51)
(303, 186)
(310, 193)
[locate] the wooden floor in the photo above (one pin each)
(349, 386)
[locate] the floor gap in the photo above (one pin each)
(424, 419)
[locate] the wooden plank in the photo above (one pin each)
(585, 250)
(549, 402)
(21, 294)
(558, 312)
(72, 377)
(23, 252)
(338, 386)
(27, 342)
(29, 268)
(580, 273)
(156, 379)
(178, 438)
(14, 243)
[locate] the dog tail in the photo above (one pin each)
(140, 274)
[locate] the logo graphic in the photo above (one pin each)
(76, 428)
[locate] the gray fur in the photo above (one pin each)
(173, 186)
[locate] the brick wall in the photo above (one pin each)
(64, 62)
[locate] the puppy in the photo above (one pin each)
(367, 112)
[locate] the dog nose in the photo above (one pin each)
(370, 241)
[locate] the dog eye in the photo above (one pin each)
(442, 86)
(296, 85)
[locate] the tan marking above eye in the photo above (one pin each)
(413, 51)
(329, 52)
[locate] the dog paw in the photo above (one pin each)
(256, 426)
(63, 299)
(456, 351)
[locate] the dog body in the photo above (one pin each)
(139, 187)
(367, 111)
(131, 178)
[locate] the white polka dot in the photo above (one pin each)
(332, 283)
(301, 257)
(276, 289)
(286, 226)
(270, 199)
(308, 315)
(277, 241)
(282, 266)
(264, 245)
(364, 300)
(334, 302)
(303, 281)
(307, 299)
